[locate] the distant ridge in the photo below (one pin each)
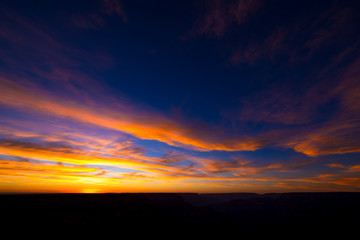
(228, 211)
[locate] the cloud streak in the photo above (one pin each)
(156, 127)
(218, 16)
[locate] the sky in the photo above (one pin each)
(203, 96)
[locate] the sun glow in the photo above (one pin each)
(91, 190)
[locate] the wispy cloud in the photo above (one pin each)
(218, 16)
(97, 18)
(273, 46)
(122, 118)
(114, 7)
(90, 21)
(335, 165)
(301, 40)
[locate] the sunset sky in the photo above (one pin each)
(179, 96)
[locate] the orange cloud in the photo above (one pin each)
(355, 169)
(335, 165)
(54, 154)
(334, 137)
(142, 125)
(8, 167)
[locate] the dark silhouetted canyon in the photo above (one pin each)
(241, 211)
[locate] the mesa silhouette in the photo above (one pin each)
(246, 211)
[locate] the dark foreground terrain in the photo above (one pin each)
(236, 212)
